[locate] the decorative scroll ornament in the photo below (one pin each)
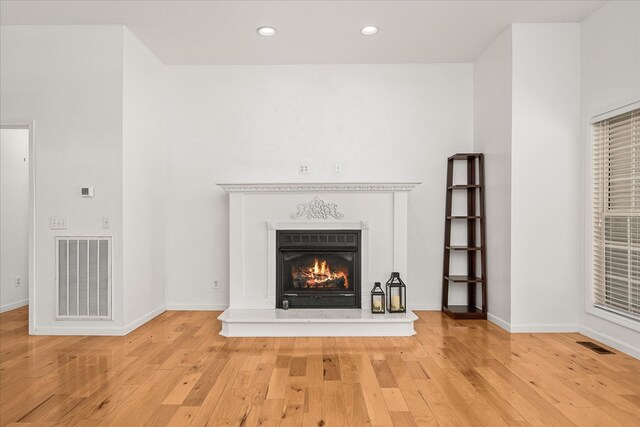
(317, 209)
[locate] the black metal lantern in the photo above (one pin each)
(377, 299)
(396, 294)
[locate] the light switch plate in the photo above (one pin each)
(58, 223)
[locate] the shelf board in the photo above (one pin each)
(464, 312)
(465, 156)
(464, 248)
(463, 186)
(463, 217)
(464, 279)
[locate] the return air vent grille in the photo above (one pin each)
(83, 278)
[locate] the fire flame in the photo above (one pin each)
(319, 275)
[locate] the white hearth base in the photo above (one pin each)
(315, 323)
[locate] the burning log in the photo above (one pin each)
(302, 281)
(332, 283)
(319, 276)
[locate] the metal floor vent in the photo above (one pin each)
(83, 279)
(595, 347)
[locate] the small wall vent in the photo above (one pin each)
(595, 347)
(83, 279)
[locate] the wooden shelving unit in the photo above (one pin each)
(476, 245)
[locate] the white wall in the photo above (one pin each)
(527, 108)
(492, 136)
(610, 79)
(14, 218)
(257, 123)
(545, 179)
(69, 80)
(144, 182)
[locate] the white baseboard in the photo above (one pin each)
(499, 321)
(13, 305)
(88, 330)
(543, 328)
(612, 342)
(197, 307)
(143, 319)
(78, 330)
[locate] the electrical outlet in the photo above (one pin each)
(216, 284)
(18, 282)
(106, 224)
(338, 168)
(58, 223)
(303, 168)
(86, 191)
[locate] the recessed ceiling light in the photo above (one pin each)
(267, 31)
(369, 30)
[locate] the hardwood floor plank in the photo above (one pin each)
(221, 385)
(402, 419)
(278, 383)
(183, 416)
(401, 373)
(349, 368)
(313, 406)
(331, 367)
(271, 412)
(298, 367)
(203, 386)
(231, 409)
(334, 413)
(394, 399)
(416, 371)
(383, 374)
(293, 415)
(295, 392)
(355, 406)
(182, 389)
(373, 397)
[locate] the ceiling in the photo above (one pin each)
(309, 32)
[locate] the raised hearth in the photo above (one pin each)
(315, 323)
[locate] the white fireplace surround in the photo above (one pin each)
(257, 211)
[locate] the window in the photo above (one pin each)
(616, 213)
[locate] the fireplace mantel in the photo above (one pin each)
(334, 187)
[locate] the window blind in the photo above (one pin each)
(616, 213)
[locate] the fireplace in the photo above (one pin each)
(318, 269)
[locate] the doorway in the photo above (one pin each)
(16, 215)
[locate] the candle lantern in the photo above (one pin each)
(377, 299)
(396, 294)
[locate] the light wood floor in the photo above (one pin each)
(176, 370)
